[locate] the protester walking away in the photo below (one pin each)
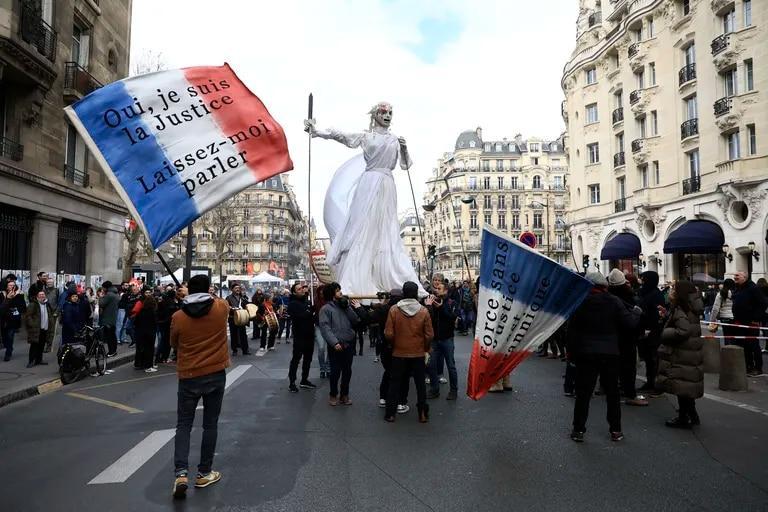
(238, 336)
(680, 354)
(710, 294)
(302, 317)
(199, 336)
(134, 294)
(283, 317)
(443, 312)
(108, 317)
(338, 319)
(466, 308)
(144, 316)
(73, 318)
(40, 325)
(409, 329)
(322, 347)
(651, 301)
(628, 338)
(762, 285)
(169, 304)
(380, 316)
(749, 306)
(593, 342)
(12, 308)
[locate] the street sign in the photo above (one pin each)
(528, 239)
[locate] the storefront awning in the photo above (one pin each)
(695, 237)
(624, 246)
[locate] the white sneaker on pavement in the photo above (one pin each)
(150, 370)
(260, 352)
(402, 409)
(382, 402)
(443, 380)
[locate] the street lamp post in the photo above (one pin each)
(545, 224)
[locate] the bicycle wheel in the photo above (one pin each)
(100, 357)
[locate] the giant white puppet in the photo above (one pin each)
(360, 210)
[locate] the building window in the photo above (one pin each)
(498, 147)
(76, 158)
(513, 185)
(472, 144)
(502, 221)
(644, 175)
(591, 76)
(594, 194)
(654, 122)
(591, 113)
(535, 160)
(79, 52)
(656, 172)
(650, 30)
(751, 140)
(691, 109)
(515, 200)
(537, 221)
(640, 79)
(620, 142)
(749, 77)
(486, 182)
(502, 202)
(473, 221)
(501, 182)
(486, 165)
(499, 165)
(487, 202)
(515, 221)
(747, 8)
(652, 72)
(594, 153)
(729, 19)
(693, 163)
(733, 145)
(690, 54)
(729, 80)
(621, 188)
(686, 7)
(640, 122)
(473, 182)
(537, 182)
(487, 219)
(533, 147)
(558, 182)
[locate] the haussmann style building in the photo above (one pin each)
(665, 107)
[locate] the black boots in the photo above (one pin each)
(423, 413)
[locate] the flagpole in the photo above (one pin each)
(310, 109)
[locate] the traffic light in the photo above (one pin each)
(193, 252)
(431, 251)
(585, 261)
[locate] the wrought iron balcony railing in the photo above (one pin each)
(620, 205)
(637, 145)
(36, 31)
(634, 97)
(76, 176)
(11, 149)
(691, 185)
(720, 43)
(633, 49)
(618, 159)
(78, 79)
(689, 128)
(722, 106)
(617, 115)
(687, 73)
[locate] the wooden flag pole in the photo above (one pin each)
(310, 112)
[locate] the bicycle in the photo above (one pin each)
(75, 359)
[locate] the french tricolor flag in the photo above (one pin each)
(177, 143)
(524, 297)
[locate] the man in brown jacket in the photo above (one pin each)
(199, 335)
(409, 329)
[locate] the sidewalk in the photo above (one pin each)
(17, 382)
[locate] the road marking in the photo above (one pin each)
(127, 381)
(136, 457)
(126, 408)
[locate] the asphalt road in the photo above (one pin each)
(284, 452)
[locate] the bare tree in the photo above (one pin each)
(221, 223)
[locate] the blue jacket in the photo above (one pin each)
(73, 320)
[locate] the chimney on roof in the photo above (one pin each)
(479, 132)
(518, 139)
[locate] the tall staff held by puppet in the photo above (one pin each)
(360, 211)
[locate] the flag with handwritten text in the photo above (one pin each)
(177, 143)
(524, 297)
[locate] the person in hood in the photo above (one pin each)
(302, 317)
(108, 317)
(381, 314)
(651, 301)
(338, 319)
(680, 354)
(409, 329)
(199, 335)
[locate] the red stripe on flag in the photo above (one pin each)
(245, 121)
(485, 371)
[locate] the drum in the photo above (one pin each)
(242, 318)
(252, 309)
(271, 319)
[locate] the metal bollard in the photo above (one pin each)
(711, 354)
(733, 369)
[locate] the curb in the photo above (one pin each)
(54, 384)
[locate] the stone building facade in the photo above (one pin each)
(58, 212)
(513, 185)
(666, 114)
(411, 228)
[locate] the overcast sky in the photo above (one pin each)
(445, 65)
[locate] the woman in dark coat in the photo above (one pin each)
(145, 327)
(73, 318)
(12, 308)
(651, 301)
(680, 354)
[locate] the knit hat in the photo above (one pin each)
(616, 278)
(596, 278)
(410, 290)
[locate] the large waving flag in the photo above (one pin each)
(177, 143)
(524, 297)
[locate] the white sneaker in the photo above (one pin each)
(402, 409)
(260, 352)
(443, 380)
(271, 349)
(376, 359)
(150, 370)
(382, 402)
(427, 380)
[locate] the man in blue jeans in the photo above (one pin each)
(444, 312)
(199, 335)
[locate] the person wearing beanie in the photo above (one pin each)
(385, 352)
(409, 329)
(593, 343)
(651, 301)
(619, 287)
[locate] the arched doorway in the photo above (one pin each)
(698, 249)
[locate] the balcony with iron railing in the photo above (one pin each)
(11, 149)
(620, 205)
(633, 49)
(596, 18)
(78, 82)
(617, 115)
(637, 145)
(634, 97)
(687, 73)
(689, 128)
(76, 176)
(618, 159)
(35, 31)
(691, 185)
(722, 106)
(720, 43)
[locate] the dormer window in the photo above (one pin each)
(471, 143)
(498, 147)
(487, 146)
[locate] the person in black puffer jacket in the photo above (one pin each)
(145, 330)
(749, 306)
(302, 318)
(651, 301)
(593, 345)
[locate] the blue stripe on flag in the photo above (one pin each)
(165, 210)
(516, 271)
